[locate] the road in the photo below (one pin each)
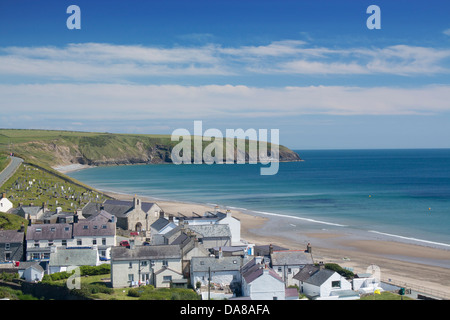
(10, 169)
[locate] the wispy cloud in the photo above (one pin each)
(121, 63)
(81, 103)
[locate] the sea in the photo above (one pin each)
(402, 193)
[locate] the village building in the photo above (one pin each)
(134, 215)
(5, 203)
(30, 271)
(66, 259)
(159, 266)
(11, 245)
(288, 263)
(319, 283)
(260, 282)
(97, 232)
(41, 238)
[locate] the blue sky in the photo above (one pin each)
(311, 69)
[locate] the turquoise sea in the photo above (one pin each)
(402, 193)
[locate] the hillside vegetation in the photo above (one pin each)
(55, 148)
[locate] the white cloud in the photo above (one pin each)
(122, 63)
(446, 32)
(80, 103)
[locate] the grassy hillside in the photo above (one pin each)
(51, 148)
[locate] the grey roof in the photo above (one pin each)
(291, 257)
(211, 230)
(93, 228)
(11, 236)
(73, 257)
(320, 277)
(204, 264)
(253, 270)
(306, 272)
(118, 208)
(264, 250)
(51, 231)
(156, 252)
(160, 223)
(30, 264)
(30, 210)
(101, 215)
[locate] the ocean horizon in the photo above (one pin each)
(400, 193)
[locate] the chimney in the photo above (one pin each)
(22, 227)
(270, 249)
(308, 248)
(161, 214)
(228, 213)
(220, 253)
(321, 265)
(75, 217)
(171, 217)
(3, 195)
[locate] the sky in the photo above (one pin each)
(314, 70)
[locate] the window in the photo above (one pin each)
(36, 243)
(104, 226)
(144, 263)
(280, 269)
(50, 243)
(289, 270)
(38, 229)
(79, 242)
(131, 277)
(7, 246)
(52, 229)
(104, 241)
(66, 228)
(7, 256)
(335, 284)
(64, 242)
(94, 241)
(95, 227)
(35, 256)
(165, 263)
(130, 265)
(103, 253)
(85, 227)
(167, 278)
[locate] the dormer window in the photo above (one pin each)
(85, 227)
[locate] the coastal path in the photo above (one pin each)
(10, 169)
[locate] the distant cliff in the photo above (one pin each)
(58, 148)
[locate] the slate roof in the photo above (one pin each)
(203, 264)
(253, 270)
(156, 252)
(101, 215)
(290, 257)
(30, 210)
(318, 278)
(51, 231)
(73, 257)
(211, 230)
(306, 272)
(160, 223)
(118, 208)
(11, 236)
(87, 228)
(23, 265)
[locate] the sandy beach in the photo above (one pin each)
(425, 268)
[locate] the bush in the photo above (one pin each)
(94, 271)
(343, 272)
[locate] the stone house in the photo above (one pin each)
(11, 245)
(288, 263)
(158, 265)
(134, 215)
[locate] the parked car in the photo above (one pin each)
(124, 243)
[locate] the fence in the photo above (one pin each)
(420, 289)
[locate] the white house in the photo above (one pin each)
(326, 284)
(63, 259)
(98, 230)
(30, 271)
(41, 238)
(288, 263)
(215, 217)
(5, 204)
(159, 228)
(156, 265)
(260, 282)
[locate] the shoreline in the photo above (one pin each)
(408, 261)
(408, 264)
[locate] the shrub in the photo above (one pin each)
(343, 272)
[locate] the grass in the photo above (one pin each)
(31, 185)
(4, 161)
(385, 295)
(11, 221)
